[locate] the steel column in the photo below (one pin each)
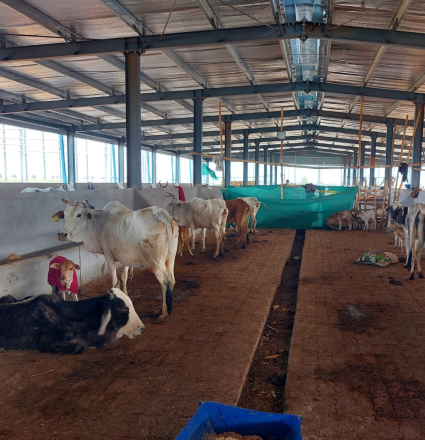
(362, 160)
(276, 160)
(265, 157)
(227, 152)
(154, 179)
(355, 169)
(257, 159)
(121, 161)
(349, 171)
(70, 143)
(372, 160)
(344, 176)
(178, 168)
(388, 151)
(245, 157)
(417, 144)
(133, 120)
(197, 140)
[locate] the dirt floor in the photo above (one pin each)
(149, 387)
(356, 366)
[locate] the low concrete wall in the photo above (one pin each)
(29, 276)
(17, 187)
(25, 220)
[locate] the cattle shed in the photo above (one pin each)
(312, 106)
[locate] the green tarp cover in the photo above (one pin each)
(298, 209)
(207, 171)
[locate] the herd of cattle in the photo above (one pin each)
(148, 239)
(407, 223)
(145, 239)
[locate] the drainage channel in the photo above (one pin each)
(265, 383)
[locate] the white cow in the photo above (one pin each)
(254, 205)
(199, 213)
(146, 239)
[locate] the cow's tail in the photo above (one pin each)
(165, 218)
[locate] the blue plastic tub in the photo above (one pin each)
(218, 418)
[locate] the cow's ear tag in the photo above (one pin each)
(56, 219)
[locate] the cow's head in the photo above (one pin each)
(76, 216)
(173, 207)
(119, 316)
(67, 269)
(396, 213)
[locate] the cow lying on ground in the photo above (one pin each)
(338, 218)
(398, 234)
(238, 213)
(146, 239)
(254, 205)
(183, 240)
(365, 216)
(199, 213)
(412, 220)
(63, 278)
(48, 324)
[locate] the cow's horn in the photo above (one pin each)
(88, 204)
(65, 201)
(166, 184)
(171, 195)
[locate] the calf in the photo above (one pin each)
(48, 324)
(339, 218)
(398, 234)
(412, 220)
(184, 235)
(62, 277)
(238, 213)
(365, 216)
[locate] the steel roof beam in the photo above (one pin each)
(215, 37)
(218, 92)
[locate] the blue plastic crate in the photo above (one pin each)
(218, 418)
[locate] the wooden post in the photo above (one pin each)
(360, 136)
(281, 154)
(376, 200)
(219, 123)
(383, 204)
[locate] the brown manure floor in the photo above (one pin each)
(357, 358)
(149, 387)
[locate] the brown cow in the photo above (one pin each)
(339, 217)
(238, 213)
(183, 240)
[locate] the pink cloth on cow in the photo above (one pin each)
(53, 277)
(181, 193)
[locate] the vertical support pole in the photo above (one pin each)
(354, 169)
(121, 161)
(276, 160)
(227, 151)
(148, 166)
(70, 142)
(178, 167)
(114, 165)
(265, 166)
(349, 171)
(372, 161)
(4, 153)
(257, 159)
(133, 120)
(154, 180)
(43, 145)
(417, 145)
(172, 169)
(245, 157)
(207, 177)
(344, 176)
(389, 153)
(362, 158)
(62, 157)
(197, 137)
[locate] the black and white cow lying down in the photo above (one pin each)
(49, 324)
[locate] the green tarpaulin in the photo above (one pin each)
(207, 171)
(298, 209)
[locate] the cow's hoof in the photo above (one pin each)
(411, 276)
(159, 320)
(407, 266)
(203, 251)
(221, 254)
(243, 247)
(420, 275)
